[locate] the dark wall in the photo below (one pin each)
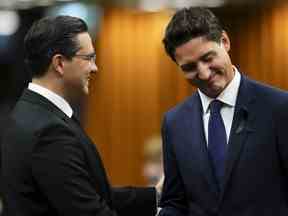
(14, 76)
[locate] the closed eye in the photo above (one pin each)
(208, 57)
(190, 67)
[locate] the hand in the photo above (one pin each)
(159, 185)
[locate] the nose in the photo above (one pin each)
(203, 71)
(94, 67)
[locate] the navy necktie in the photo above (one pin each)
(217, 140)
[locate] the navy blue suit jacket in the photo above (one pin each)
(256, 170)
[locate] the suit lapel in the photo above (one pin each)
(199, 146)
(242, 126)
(98, 172)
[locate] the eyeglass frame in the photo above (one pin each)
(89, 57)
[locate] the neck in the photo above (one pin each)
(53, 85)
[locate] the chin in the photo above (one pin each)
(86, 91)
(211, 90)
(213, 93)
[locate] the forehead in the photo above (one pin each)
(85, 42)
(194, 49)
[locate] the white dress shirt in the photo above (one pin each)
(57, 100)
(228, 97)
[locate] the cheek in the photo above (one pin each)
(195, 82)
(87, 69)
(190, 76)
(224, 61)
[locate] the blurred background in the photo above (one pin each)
(137, 82)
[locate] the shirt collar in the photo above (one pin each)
(57, 100)
(228, 96)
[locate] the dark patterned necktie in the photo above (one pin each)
(217, 140)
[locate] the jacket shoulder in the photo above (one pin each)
(268, 93)
(32, 118)
(192, 102)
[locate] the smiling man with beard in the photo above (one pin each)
(49, 165)
(225, 147)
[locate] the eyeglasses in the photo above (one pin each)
(89, 57)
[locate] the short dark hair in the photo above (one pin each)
(189, 23)
(49, 36)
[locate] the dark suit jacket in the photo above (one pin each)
(51, 167)
(255, 182)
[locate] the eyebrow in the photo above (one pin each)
(83, 50)
(91, 53)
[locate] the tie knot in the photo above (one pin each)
(215, 106)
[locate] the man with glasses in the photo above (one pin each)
(50, 166)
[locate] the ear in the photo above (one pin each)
(58, 64)
(225, 41)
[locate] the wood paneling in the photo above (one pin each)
(137, 82)
(260, 44)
